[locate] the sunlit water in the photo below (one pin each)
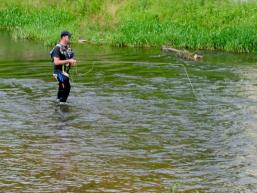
(133, 122)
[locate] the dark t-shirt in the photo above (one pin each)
(58, 53)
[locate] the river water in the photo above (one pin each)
(133, 122)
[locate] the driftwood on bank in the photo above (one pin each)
(82, 41)
(184, 54)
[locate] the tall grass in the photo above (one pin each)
(194, 24)
(42, 25)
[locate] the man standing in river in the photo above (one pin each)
(62, 58)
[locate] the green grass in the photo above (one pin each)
(192, 24)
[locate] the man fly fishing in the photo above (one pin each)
(62, 58)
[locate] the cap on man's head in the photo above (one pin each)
(65, 33)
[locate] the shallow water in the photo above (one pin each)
(133, 122)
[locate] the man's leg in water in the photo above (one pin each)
(66, 89)
(60, 94)
(63, 91)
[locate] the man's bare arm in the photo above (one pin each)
(57, 61)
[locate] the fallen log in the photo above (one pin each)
(82, 41)
(184, 54)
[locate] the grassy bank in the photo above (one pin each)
(228, 25)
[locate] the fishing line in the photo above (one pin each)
(190, 82)
(90, 70)
(197, 97)
(201, 98)
(129, 62)
(82, 74)
(112, 62)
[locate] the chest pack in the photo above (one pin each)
(65, 50)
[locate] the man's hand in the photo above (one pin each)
(72, 62)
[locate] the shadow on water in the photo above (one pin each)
(132, 123)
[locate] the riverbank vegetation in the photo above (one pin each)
(229, 25)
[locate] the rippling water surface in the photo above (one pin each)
(133, 123)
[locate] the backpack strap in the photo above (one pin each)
(51, 52)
